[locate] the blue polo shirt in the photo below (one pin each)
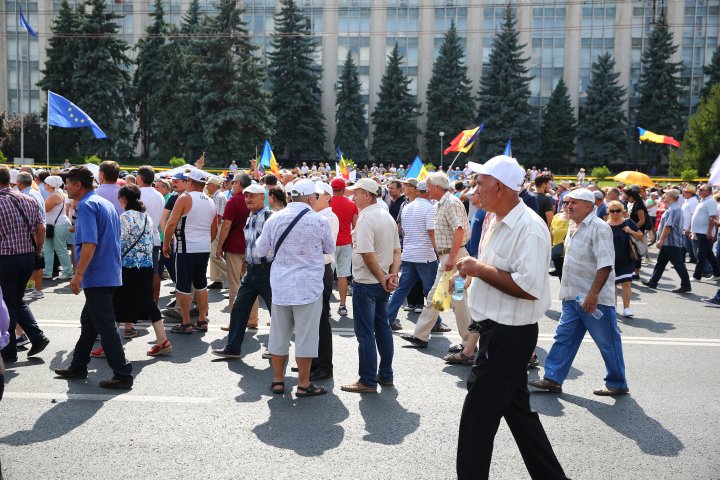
(98, 223)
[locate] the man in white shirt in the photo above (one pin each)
(322, 366)
(154, 204)
(509, 292)
(218, 269)
(688, 208)
(703, 223)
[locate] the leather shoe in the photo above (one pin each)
(682, 290)
(358, 387)
(69, 373)
(414, 340)
(649, 285)
(442, 328)
(546, 384)
(316, 375)
(610, 391)
(38, 346)
(381, 381)
(117, 383)
(395, 326)
(215, 286)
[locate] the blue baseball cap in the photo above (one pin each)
(179, 176)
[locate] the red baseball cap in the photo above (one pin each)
(338, 184)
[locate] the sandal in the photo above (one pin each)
(186, 328)
(280, 390)
(202, 325)
(310, 391)
(163, 348)
(459, 358)
(132, 333)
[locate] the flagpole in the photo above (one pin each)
(47, 134)
(453, 162)
(28, 65)
(19, 80)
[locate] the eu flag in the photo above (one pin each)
(63, 113)
(26, 25)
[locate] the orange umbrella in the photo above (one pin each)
(634, 178)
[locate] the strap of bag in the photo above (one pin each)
(290, 227)
(137, 239)
(62, 206)
(25, 219)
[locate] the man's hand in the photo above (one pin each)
(659, 244)
(166, 251)
(590, 304)
(450, 263)
(467, 266)
(391, 282)
(219, 253)
(75, 283)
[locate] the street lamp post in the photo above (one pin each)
(442, 134)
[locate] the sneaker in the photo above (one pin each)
(342, 311)
(34, 295)
(419, 308)
(47, 277)
(409, 308)
(222, 353)
(132, 333)
(713, 302)
(98, 353)
(160, 349)
(22, 340)
(64, 277)
(267, 355)
(627, 313)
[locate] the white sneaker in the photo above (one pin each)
(627, 313)
(64, 277)
(419, 308)
(34, 295)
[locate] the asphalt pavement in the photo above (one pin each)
(192, 415)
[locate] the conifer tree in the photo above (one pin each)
(295, 87)
(350, 114)
(602, 130)
(712, 70)
(148, 79)
(701, 144)
(451, 107)
(58, 72)
(504, 95)
(233, 106)
(557, 134)
(660, 90)
(395, 116)
(101, 83)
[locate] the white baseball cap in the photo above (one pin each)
(254, 188)
(322, 187)
(197, 175)
(366, 184)
(505, 169)
(302, 188)
(581, 194)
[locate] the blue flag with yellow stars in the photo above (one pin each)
(63, 113)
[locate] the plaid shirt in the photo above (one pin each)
(252, 230)
(15, 238)
(450, 215)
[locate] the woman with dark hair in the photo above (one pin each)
(277, 199)
(639, 214)
(134, 299)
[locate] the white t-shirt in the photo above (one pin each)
(375, 232)
(334, 228)
(701, 218)
(154, 203)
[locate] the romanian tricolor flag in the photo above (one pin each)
(648, 136)
(465, 140)
(342, 164)
(267, 159)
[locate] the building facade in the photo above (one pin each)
(562, 38)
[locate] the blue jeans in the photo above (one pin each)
(410, 273)
(370, 308)
(256, 281)
(98, 318)
(58, 245)
(574, 322)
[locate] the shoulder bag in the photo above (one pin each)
(288, 229)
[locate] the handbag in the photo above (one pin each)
(137, 239)
(50, 229)
(637, 247)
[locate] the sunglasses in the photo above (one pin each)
(615, 211)
(565, 203)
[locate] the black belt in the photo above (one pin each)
(481, 326)
(261, 264)
(445, 251)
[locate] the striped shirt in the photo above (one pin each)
(15, 237)
(587, 250)
(519, 244)
(252, 230)
(673, 218)
(449, 217)
(416, 218)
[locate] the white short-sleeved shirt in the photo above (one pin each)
(416, 218)
(518, 244)
(375, 232)
(701, 217)
(154, 204)
(588, 250)
(688, 208)
(334, 228)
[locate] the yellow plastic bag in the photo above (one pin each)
(441, 297)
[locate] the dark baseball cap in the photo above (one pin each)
(78, 174)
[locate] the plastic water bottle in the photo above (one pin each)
(597, 314)
(459, 284)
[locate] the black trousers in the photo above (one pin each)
(416, 296)
(675, 256)
(323, 362)
(705, 252)
(498, 388)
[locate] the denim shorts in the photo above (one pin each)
(191, 272)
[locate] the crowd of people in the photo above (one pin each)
(480, 241)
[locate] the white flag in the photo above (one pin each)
(715, 173)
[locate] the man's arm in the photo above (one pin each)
(40, 237)
(663, 235)
(456, 244)
(354, 220)
(431, 234)
(224, 231)
(500, 279)
(712, 221)
(87, 250)
(374, 266)
(591, 299)
(213, 228)
(182, 205)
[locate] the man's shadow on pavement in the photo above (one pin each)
(625, 416)
(386, 421)
(307, 426)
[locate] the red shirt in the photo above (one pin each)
(237, 212)
(345, 209)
